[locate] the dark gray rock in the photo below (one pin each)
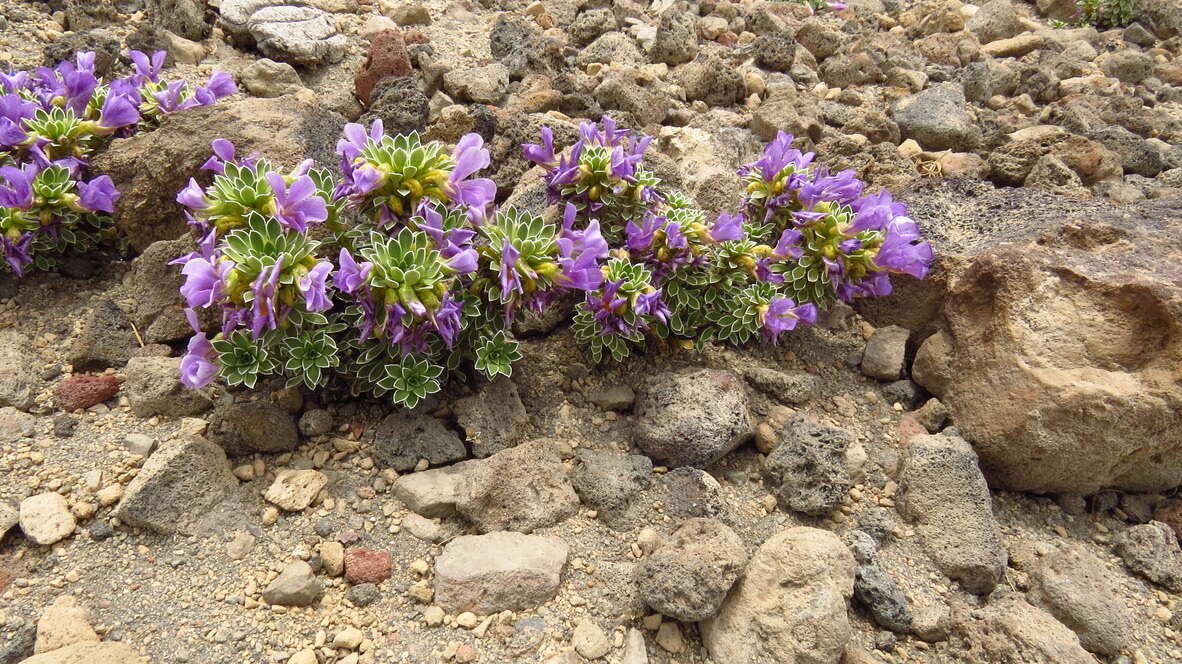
(592, 23)
(691, 572)
(677, 40)
(1151, 550)
(807, 470)
(905, 392)
(153, 387)
(985, 78)
(936, 118)
(407, 436)
(246, 427)
(104, 340)
(176, 486)
(885, 354)
(100, 530)
(711, 80)
(493, 418)
(316, 422)
(690, 493)
(1137, 155)
(620, 90)
(608, 481)
(182, 17)
(400, 104)
(776, 51)
(102, 42)
(883, 598)
(17, 645)
(692, 418)
(995, 20)
(363, 594)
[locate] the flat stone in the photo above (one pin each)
(405, 437)
(176, 486)
(294, 490)
(432, 493)
(107, 652)
(498, 571)
(46, 518)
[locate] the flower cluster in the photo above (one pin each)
(51, 122)
(420, 276)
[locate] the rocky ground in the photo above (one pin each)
(980, 468)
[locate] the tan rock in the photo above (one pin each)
(294, 490)
(63, 624)
(46, 518)
(108, 652)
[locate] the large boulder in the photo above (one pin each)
(288, 30)
(1058, 334)
(151, 167)
(790, 606)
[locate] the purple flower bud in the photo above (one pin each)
(197, 369)
(542, 155)
(192, 196)
(902, 251)
(463, 261)
(727, 227)
(118, 111)
(510, 281)
(264, 309)
(17, 252)
(19, 191)
(447, 320)
(98, 195)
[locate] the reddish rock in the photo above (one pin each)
(78, 392)
(387, 57)
(728, 38)
(415, 36)
(7, 576)
(367, 565)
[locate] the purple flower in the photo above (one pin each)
(727, 227)
(314, 288)
(172, 98)
(356, 139)
(147, 69)
(652, 304)
(587, 240)
(17, 253)
(783, 314)
(204, 281)
(363, 180)
(192, 196)
(350, 277)
(19, 192)
(197, 368)
(776, 156)
(223, 152)
(674, 238)
(98, 195)
(118, 111)
(447, 320)
(221, 84)
(297, 206)
(579, 271)
(902, 251)
(789, 245)
(542, 155)
(606, 307)
(875, 211)
(470, 156)
(842, 188)
(463, 261)
(265, 307)
(640, 238)
(510, 280)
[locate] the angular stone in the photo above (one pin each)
(882, 597)
(387, 57)
(498, 571)
(296, 585)
(589, 640)
(807, 469)
(790, 606)
(608, 481)
(244, 427)
(79, 392)
(64, 624)
(942, 490)
(46, 519)
(405, 437)
(885, 352)
(177, 485)
(1079, 590)
(294, 490)
(266, 78)
(1151, 550)
(693, 569)
(153, 387)
(492, 418)
(692, 418)
(18, 382)
(936, 118)
(107, 652)
(432, 493)
(104, 340)
(286, 30)
(522, 489)
(1010, 630)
